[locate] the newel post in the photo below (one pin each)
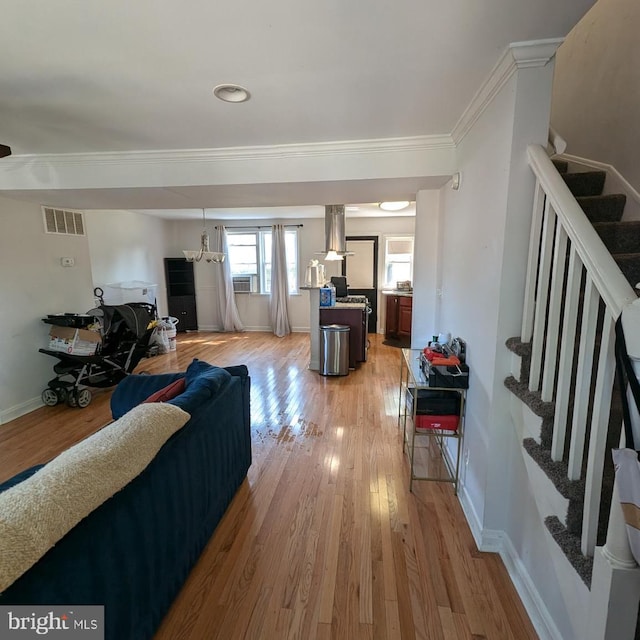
(615, 585)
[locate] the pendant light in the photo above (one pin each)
(203, 252)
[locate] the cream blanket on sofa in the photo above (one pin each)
(38, 512)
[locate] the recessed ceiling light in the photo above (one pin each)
(394, 206)
(231, 93)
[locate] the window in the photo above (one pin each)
(243, 253)
(398, 261)
(250, 254)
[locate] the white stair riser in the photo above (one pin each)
(528, 423)
(516, 366)
(549, 500)
(574, 591)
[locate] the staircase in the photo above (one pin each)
(583, 266)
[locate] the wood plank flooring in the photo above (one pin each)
(324, 539)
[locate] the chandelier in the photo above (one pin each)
(203, 252)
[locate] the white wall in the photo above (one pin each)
(427, 268)
(126, 246)
(33, 284)
(484, 230)
(596, 93)
(472, 235)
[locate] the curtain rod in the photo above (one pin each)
(260, 226)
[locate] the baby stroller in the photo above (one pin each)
(124, 333)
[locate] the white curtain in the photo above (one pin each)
(226, 298)
(279, 302)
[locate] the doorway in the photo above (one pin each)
(361, 271)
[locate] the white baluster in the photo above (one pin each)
(583, 379)
(567, 352)
(553, 323)
(532, 265)
(542, 296)
(598, 437)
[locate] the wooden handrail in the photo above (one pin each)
(611, 284)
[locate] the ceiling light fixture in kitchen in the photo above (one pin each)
(394, 206)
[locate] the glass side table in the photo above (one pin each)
(425, 439)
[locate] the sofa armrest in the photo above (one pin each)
(135, 389)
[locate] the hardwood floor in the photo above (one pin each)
(324, 539)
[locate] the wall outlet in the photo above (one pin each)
(67, 262)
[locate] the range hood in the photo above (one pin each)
(335, 240)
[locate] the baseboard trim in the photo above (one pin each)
(529, 594)
(496, 541)
(20, 410)
(217, 329)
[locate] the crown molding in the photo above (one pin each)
(518, 55)
(227, 154)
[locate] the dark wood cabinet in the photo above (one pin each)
(356, 319)
(405, 306)
(399, 311)
(181, 293)
(391, 323)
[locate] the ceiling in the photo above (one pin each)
(125, 76)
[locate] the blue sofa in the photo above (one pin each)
(134, 552)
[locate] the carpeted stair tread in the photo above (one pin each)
(572, 490)
(603, 208)
(556, 471)
(620, 237)
(570, 545)
(587, 183)
(544, 410)
(522, 349)
(629, 264)
(530, 398)
(562, 166)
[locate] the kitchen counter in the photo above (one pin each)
(347, 305)
(397, 292)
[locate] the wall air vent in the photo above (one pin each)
(245, 284)
(61, 221)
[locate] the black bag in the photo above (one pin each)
(450, 377)
(433, 402)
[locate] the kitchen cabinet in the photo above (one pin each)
(399, 311)
(181, 293)
(356, 318)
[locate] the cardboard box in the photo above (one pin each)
(79, 342)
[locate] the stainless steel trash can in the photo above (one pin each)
(334, 350)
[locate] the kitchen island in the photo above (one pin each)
(355, 315)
